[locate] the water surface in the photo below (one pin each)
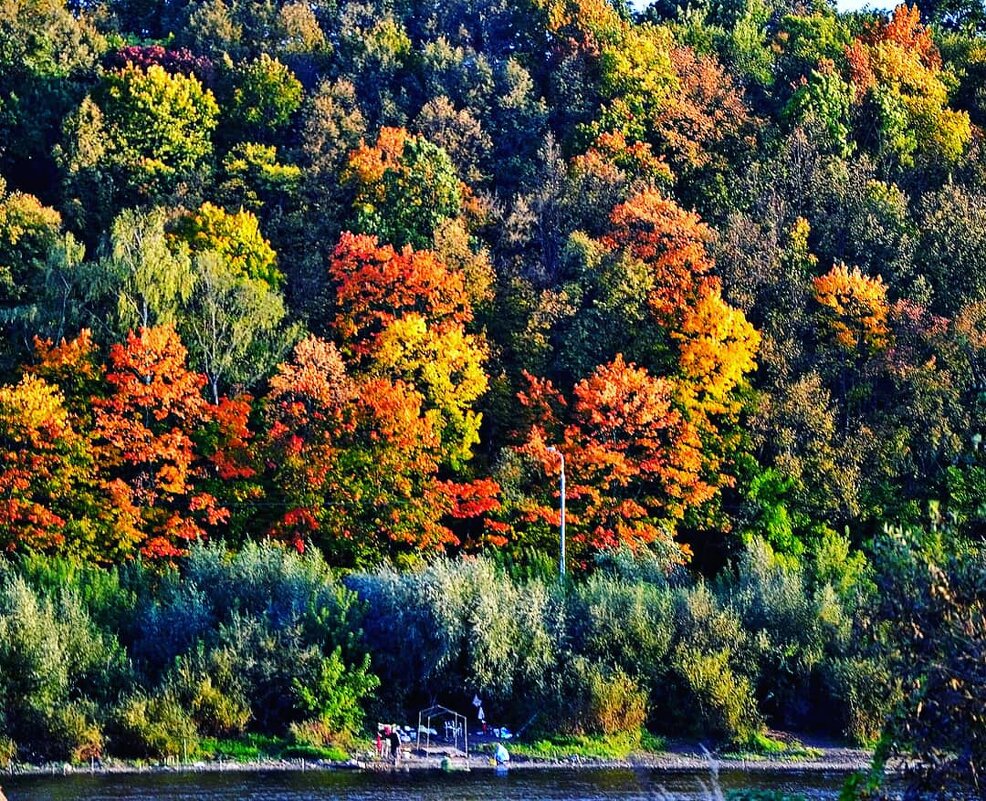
(479, 785)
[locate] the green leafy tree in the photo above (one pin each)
(263, 96)
(138, 136)
(403, 187)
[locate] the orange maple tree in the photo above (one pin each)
(854, 308)
(144, 444)
(671, 241)
(633, 460)
(43, 461)
(356, 461)
(376, 284)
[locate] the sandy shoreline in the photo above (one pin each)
(840, 760)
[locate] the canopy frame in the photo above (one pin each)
(437, 712)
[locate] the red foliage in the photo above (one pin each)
(376, 284)
(144, 443)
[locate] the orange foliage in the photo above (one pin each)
(707, 111)
(376, 284)
(905, 30)
(636, 159)
(144, 443)
(367, 164)
(633, 460)
(37, 446)
(357, 460)
(855, 307)
(671, 241)
(74, 367)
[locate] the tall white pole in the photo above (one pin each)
(561, 562)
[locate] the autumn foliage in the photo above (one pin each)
(634, 462)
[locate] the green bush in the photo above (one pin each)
(160, 727)
(593, 699)
(783, 622)
(208, 685)
(717, 700)
(75, 736)
(864, 692)
(465, 627)
(336, 697)
(615, 704)
(8, 751)
(622, 624)
(51, 656)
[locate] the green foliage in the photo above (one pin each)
(868, 692)
(591, 746)
(403, 188)
(264, 97)
(144, 132)
(8, 751)
(234, 237)
(722, 701)
(337, 695)
(158, 727)
(824, 100)
(55, 664)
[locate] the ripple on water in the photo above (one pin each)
(479, 785)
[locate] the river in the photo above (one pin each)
(478, 785)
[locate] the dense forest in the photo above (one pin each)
(306, 305)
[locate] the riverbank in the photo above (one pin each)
(682, 758)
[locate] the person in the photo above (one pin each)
(482, 719)
(501, 754)
(395, 744)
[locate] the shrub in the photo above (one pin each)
(8, 751)
(629, 626)
(51, 653)
(865, 692)
(337, 694)
(616, 704)
(717, 701)
(208, 685)
(594, 699)
(465, 627)
(783, 622)
(153, 727)
(74, 734)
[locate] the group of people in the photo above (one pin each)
(389, 745)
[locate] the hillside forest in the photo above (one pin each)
(306, 304)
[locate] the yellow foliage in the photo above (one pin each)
(855, 306)
(717, 348)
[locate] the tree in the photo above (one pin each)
(633, 460)
(145, 445)
(896, 73)
(43, 465)
(854, 307)
(403, 187)
(376, 285)
(234, 237)
(233, 325)
(264, 95)
(149, 280)
(671, 241)
(138, 134)
(36, 263)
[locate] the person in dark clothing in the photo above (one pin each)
(395, 745)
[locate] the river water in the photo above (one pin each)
(478, 785)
